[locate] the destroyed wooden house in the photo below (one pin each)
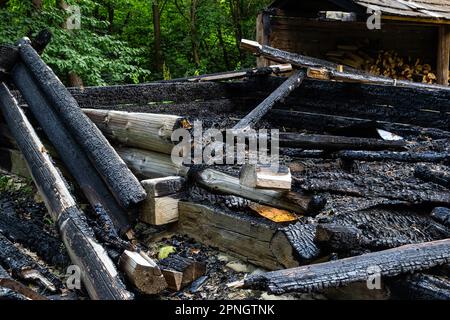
(363, 179)
(338, 30)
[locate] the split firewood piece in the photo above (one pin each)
(387, 263)
(440, 177)
(180, 272)
(325, 69)
(265, 177)
(217, 181)
(161, 205)
(293, 82)
(123, 184)
(142, 272)
(325, 142)
(98, 272)
(146, 131)
(68, 150)
(9, 283)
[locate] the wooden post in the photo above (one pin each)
(262, 37)
(443, 55)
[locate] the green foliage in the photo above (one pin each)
(115, 43)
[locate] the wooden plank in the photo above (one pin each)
(443, 55)
(98, 273)
(264, 177)
(389, 263)
(122, 183)
(160, 187)
(159, 210)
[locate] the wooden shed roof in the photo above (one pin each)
(421, 9)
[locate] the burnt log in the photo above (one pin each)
(324, 142)
(293, 82)
(14, 290)
(436, 176)
(428, 156)
(389, 263)
(71, 154)
(180, 271)
(441, 215)
(98, 273)
(421, 286)
(122, 183)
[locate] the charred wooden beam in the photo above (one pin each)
(426, 156)
(324, 142)
(97, 270)
(255, 240)
(180, 272)
(325, 69)
(441, 215)
(217, 181)
(293, 82)
(71, 154)
(142, 272)
(392, 262)
(123, 184)
(436, 176)
(17, 289)
(146, 131)
(421, 286)
(24, 267)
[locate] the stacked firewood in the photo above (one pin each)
(385, 63)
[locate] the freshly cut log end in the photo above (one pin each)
(160, 187)
(159, 210)
(180, 272)
(123, 184)
(142, 272)
(265, 177)
(389, 263)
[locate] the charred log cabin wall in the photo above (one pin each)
(426, 108)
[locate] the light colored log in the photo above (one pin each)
(142, 272)
(264, 177)
(149, 164)
(148, 131)
(443, 55)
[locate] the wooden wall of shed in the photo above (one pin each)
(316, 38)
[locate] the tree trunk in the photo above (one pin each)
(159, 61)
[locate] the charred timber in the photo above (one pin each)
(99, 275)
(428, 156)
(71, 154)
(123, 184)
(324, 142)
(440, 177)
(390, 263)
(293, 82)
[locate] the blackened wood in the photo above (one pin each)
(31, 235)
(98, 273)
(161, 187)
(24, 267)
(302, 238)
(421, 286)
(324, 142)
(348, 74)
(392, 262)
(190, 270)
(71, 154)
(440, 177)
(293, 82)
(17, 290)
(123, 184)
(441, 215)
(426, 156)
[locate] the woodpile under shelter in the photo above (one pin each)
(413, 37)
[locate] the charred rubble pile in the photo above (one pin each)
(362, 187)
